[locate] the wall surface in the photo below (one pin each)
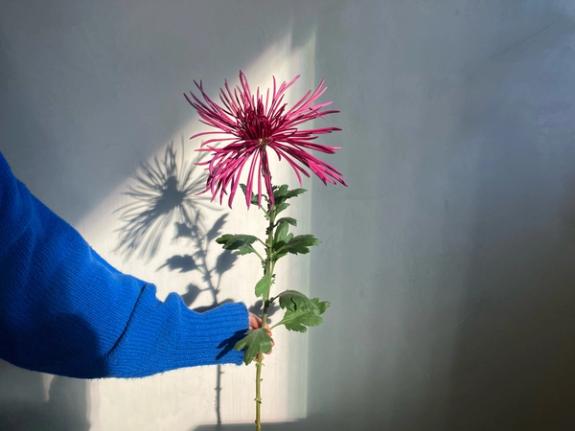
(453, 302)
(447, 261)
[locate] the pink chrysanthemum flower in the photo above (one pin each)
(249, 124)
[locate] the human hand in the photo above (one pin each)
(256, 323)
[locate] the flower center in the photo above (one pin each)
(256, 126)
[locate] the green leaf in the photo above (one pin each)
(301, 311)
(281, 232)
(279, 207)
(281, 251)
(280, 192)
(288, 220)
(245, 249)
(300, 320)
(257, 341)
(292, 300)
(263, 286)
(233, 242)
(320, 305)
(254, 198)
(299, 244)
(295, 300)
(293, 193)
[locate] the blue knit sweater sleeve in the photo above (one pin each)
(65, 310)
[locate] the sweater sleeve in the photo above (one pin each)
(65, 310)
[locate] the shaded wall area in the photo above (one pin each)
(453, 298)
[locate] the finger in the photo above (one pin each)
(253, 322)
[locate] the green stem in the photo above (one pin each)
(258, 392)
(268, 269)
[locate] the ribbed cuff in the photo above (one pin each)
(163, 336)
(217, 331)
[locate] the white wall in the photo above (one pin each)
(447, 261)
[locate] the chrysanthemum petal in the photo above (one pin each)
(246, 124)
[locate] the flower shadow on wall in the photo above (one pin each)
(165, 194)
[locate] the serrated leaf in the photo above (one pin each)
(233, 242)
(254, 197)
(280, 251)
(322, 306)
(301, 311)
(300, 320)
(279, 207)
(293, 193)
(298, 244)
(292, 300)
(288, 220)
(281, 232)
(280, 192)
(279, 256)
(263, 286)
(257, 341)
(244, 249)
